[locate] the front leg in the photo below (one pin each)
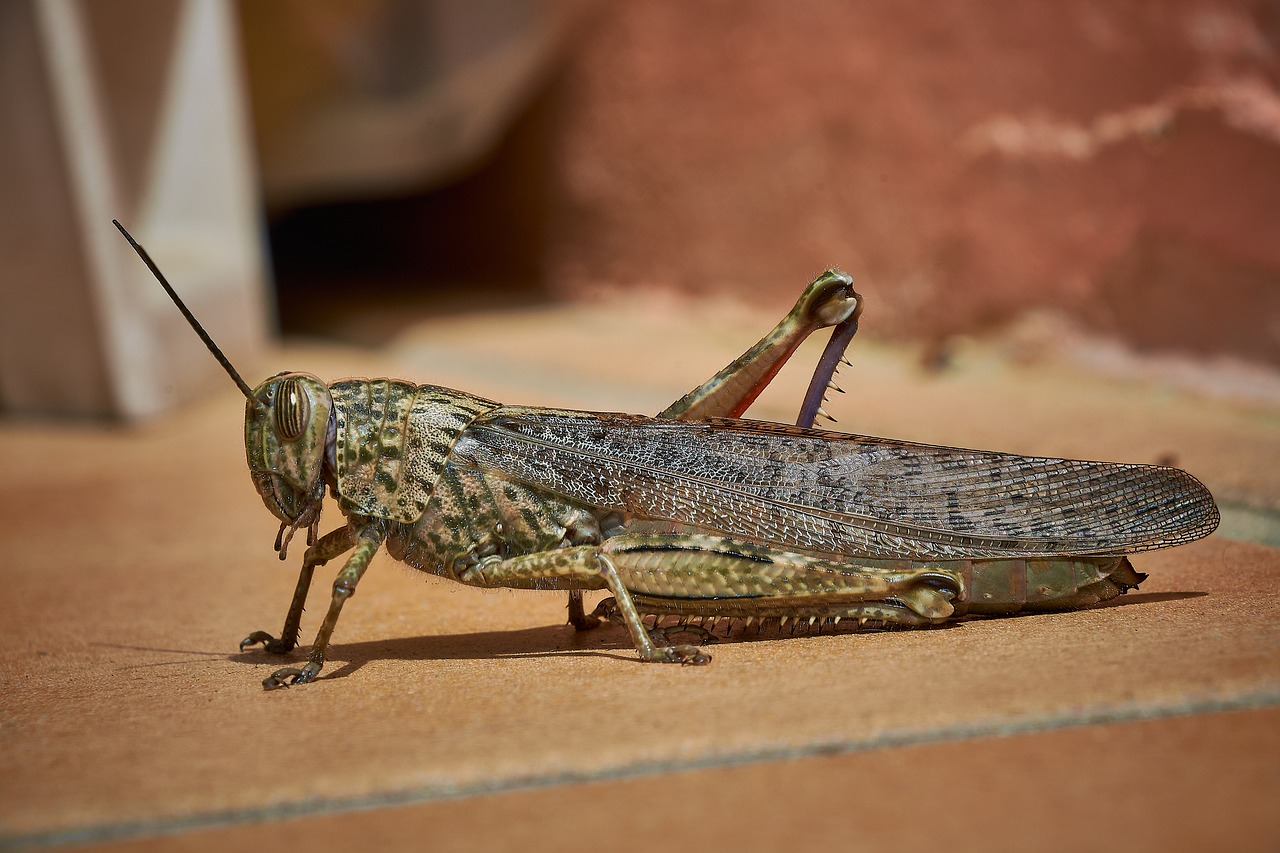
(331, 545)
(368, 541)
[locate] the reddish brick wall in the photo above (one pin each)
(964, 161)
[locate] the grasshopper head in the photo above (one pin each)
(287, 426)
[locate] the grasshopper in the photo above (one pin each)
(695, 513)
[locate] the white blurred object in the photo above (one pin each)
(134, 112)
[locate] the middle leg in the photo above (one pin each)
(586, 566)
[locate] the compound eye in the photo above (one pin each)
(292, 410)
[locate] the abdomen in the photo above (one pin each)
(1040, 584)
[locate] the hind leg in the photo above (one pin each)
(829, 301)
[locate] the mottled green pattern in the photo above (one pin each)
(473, 515)
(456, 514)
(391, 442)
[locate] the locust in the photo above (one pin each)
(696, 514)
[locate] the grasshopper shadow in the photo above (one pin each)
(607, 641)
(542, 641)
(1148, 598)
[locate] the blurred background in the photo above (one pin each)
(1089, 178)
(1065, 220)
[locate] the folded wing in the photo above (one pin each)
(830, 492)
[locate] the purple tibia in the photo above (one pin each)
(841, 335)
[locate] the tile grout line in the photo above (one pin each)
(156, 827)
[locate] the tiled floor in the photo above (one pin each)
(455, 719)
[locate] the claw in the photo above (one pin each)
(280, 678)
(686, 655)
(269, 643)
(289, 676)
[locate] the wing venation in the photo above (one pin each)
(832, 492)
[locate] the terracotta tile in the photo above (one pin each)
(135, 559)
(1187, 783)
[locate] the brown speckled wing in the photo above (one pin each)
(830, 492)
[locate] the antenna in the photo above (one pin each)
(195, 324)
